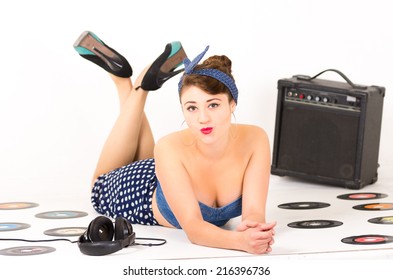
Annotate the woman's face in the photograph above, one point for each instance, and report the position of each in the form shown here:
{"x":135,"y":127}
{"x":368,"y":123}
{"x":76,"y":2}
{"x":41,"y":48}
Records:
{"x":208,"y":116}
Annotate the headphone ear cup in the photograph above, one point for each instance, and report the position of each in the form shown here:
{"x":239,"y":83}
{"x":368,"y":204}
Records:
{"x":100,"y":229}
{"x":123,"y":228}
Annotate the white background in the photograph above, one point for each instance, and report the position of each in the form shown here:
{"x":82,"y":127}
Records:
{"x":57,"y":108}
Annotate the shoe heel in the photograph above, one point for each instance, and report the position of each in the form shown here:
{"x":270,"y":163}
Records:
{"x":175,"y":58}
{"x":89,"y":46}
{"x":163,"y":68}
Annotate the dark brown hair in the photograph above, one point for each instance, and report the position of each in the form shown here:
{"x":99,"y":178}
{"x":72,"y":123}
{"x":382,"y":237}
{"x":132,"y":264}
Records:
{"x":209,"y":84}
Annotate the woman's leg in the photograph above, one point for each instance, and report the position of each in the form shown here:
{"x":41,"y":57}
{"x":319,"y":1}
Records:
{"x":131,"y":137}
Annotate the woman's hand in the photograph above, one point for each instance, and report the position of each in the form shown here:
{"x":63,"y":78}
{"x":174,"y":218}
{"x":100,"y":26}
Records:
{"x":257,"y":238}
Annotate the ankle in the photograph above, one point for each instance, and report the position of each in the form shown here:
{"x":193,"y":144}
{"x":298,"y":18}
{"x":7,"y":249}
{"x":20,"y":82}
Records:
{"x":122,"y":83}
{"x":139,"y":79}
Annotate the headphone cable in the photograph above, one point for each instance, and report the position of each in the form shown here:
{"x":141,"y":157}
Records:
{"x":38,"y":240}
{"x":162,"y":241}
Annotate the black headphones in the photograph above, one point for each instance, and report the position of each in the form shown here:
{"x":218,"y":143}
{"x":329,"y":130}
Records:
{"x":98,"y":238}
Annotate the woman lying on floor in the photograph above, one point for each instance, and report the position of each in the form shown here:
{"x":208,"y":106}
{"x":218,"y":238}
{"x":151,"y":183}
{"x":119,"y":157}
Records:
{"x":196,"y":179}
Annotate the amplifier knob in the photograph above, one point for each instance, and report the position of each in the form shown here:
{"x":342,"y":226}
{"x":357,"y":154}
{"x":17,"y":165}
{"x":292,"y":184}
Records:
{"x":309,"y":97}
{"x":317,"y":98}
{"x":325,"y":99}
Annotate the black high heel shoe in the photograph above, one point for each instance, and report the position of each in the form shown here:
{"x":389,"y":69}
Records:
{"x":163,"y":68}
{"x":92,"y":48}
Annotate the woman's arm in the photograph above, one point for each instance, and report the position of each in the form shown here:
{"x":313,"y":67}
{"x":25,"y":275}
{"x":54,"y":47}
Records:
{"x":255,"y":187}
{"x":256,"y":177}
{"x":179,"y":194}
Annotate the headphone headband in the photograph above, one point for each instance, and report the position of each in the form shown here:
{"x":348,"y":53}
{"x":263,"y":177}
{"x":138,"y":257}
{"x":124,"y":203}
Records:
{"x":97,"y":240}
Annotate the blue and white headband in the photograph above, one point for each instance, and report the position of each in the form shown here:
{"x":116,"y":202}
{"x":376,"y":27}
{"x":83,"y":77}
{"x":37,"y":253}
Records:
{"x":214,"y":73}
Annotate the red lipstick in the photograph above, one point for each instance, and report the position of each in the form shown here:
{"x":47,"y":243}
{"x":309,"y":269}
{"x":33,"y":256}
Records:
{"x":206,"y":130}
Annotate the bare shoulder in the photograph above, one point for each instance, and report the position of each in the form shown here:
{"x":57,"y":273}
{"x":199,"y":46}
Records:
{"x":168,"y":143}
{"x":252,"y":134}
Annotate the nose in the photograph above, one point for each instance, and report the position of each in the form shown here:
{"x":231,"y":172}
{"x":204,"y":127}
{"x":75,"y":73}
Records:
{"x":203,"y":116}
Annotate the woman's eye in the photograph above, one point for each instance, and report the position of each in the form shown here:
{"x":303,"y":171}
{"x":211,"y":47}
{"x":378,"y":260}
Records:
{"x":191,"y":108}
{"x":214,"y":105}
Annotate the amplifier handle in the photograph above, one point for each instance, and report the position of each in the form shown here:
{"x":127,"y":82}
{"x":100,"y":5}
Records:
{"x":307,"y":78}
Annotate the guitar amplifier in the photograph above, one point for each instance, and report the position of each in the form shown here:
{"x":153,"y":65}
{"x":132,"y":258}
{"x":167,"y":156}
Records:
{"x":327,"y":131}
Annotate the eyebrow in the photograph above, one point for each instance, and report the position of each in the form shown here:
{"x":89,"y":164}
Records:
{"x":207,"y":101}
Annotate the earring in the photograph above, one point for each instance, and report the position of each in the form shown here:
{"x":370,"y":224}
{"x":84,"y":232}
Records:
{"x":184,"y":136}
{"x":234,"y":117}
{"x":233,"y":129}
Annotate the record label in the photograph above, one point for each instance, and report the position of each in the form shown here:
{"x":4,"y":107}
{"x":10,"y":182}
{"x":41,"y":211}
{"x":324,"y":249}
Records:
{"x":303,"y":205}
{"x":61,"y":214}
{"x":362,"y":196}
{"x":310,"y":224}
{"x":27,"y":250}
{"x":388,"y":220}
{"x":374,"y":206}
{"x":372,"y":239}
{"x":17,"y":205}
{"x":13,"y":226}
{"x":66,"y":231}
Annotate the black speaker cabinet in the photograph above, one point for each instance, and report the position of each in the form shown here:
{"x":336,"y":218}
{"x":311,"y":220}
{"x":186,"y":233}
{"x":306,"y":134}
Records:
{"x":327,"y":131}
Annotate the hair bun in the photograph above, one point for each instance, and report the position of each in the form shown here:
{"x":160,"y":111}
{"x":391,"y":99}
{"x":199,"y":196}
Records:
{"x":220,"y":62}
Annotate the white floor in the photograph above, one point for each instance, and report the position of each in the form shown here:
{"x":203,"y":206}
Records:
{"x":292,"y":245}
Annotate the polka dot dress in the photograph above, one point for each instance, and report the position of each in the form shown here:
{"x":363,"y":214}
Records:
{"x":127,"y":192}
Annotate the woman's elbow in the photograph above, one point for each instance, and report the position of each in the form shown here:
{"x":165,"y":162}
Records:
{"x":193,"y":233}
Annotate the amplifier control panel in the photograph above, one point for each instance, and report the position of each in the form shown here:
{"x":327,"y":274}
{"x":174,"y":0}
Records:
{"x":322,"y":98}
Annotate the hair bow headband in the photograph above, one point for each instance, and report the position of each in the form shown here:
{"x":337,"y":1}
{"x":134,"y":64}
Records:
{"x":214,"y":73}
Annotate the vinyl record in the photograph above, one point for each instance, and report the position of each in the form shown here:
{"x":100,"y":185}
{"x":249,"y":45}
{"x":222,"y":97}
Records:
{"x":310,"y":224}
{"x":388,"y":220}
{"x":303,"y":205}
{"x":27,"y":250}
{"x":374,"y":206}
{"x":61,"y":214}
{"x":13,"y":226}
{"x":17,"y":205}
{"x":368,"y":239}
{"x":66,"y":231}
{"x":362,"y":196}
